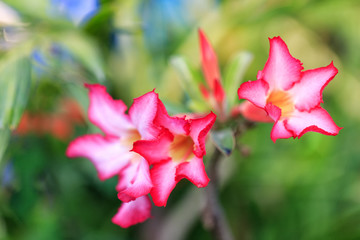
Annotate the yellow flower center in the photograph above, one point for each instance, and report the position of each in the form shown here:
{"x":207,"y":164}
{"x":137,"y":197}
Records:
{"x":282,"y":100}
{"x":128,"y":140}
{"x":181,"y":149}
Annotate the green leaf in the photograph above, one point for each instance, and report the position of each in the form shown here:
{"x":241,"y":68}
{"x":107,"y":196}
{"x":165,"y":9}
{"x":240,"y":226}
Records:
{"x":224,"y":140}
{"x":4,"y":140}
{"x":174,"y":108}
{"x":199,"y":106}
{"x":190,"y":83}
{"x":85,"y":51}
{"x":188,"y":80}
{"x":15,"y":83}
{"x":33,"y":8}
{"x":23,"y":77}
{"x":234,"y":74}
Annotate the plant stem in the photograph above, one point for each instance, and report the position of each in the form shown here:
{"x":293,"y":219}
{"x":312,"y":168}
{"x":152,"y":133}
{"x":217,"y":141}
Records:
{"x":214,"y":217}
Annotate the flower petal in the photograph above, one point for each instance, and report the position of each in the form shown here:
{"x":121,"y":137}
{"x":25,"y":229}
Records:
{"x":280,"y":131}
{"x":106,"y":113}
{"x":204,"y":91}
{"x":281,"y":70}
{"x":157,"y":150}
{"x":307,"y":93}
{"x":133,"y":212}
{"x":255,"y":92}
{"x":163,"y":178}
{"x":142,"y":113}
{"x":134,"y":181}
{"x":176,"y":125}
{"x":199,"y":128}
{"x":251,"y":112}
{"x":219,"y":92}
{"x":209,"y":61}
{"x":106,"y":153}
{"x":273,"y":111}
{"x":317,"y":120}
{"x":194,"y":171}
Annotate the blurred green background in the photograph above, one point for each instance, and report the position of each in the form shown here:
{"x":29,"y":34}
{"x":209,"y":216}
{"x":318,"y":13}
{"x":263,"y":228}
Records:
{"x":294,"y":189}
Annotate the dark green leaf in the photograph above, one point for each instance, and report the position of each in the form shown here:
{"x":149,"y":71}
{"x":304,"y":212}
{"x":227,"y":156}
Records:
{"x":4,"y":139}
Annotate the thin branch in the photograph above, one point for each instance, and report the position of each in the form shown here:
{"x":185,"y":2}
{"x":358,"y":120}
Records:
{"x":214,"y":217}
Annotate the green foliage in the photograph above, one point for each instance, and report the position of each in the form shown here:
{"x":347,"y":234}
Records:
{"x":234,"y":75}
{"x":15,"y":82}
{"x":84,"y":50}
{"x":190,"y":82}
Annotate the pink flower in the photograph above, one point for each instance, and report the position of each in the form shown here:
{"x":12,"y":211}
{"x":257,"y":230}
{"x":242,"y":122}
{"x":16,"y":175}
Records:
{"x":110,"y":153}
{"x":133,"y":212}
{"x":290,"y":96}
{"x":176,"y":154}
{"x":213,"y":90}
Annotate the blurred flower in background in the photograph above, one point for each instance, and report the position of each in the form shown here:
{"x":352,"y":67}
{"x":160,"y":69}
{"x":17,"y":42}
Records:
{"x":212,"y":90}
{"x":59,"y":124}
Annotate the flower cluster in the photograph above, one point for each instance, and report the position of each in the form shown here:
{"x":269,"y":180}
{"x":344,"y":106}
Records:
{"x":151,"y":151}
{"x":145,"y":136}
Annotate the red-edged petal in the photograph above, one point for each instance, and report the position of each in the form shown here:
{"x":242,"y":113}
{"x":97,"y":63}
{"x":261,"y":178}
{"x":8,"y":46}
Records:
{"x":134,"y":181}
{"x":251,"y":112}
{"x":176,"y":125}
{"x":280,"y":131}
{"x":307,"y":93}
{"x":106,"y":113}
{"x":255,"y":92}
{"x":157,"y":150}
{"x":199,"y":128}
{"x":134,"y":212}
{"x":106,"y":153}
{"x":194,"y":171}
{"x":273,"y":111}
{"x":281,"y":70}
{"x":209,"y":61}
{"x":142,"y":113}
{"x":317,"y":120}
{"x":163,"y":178}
